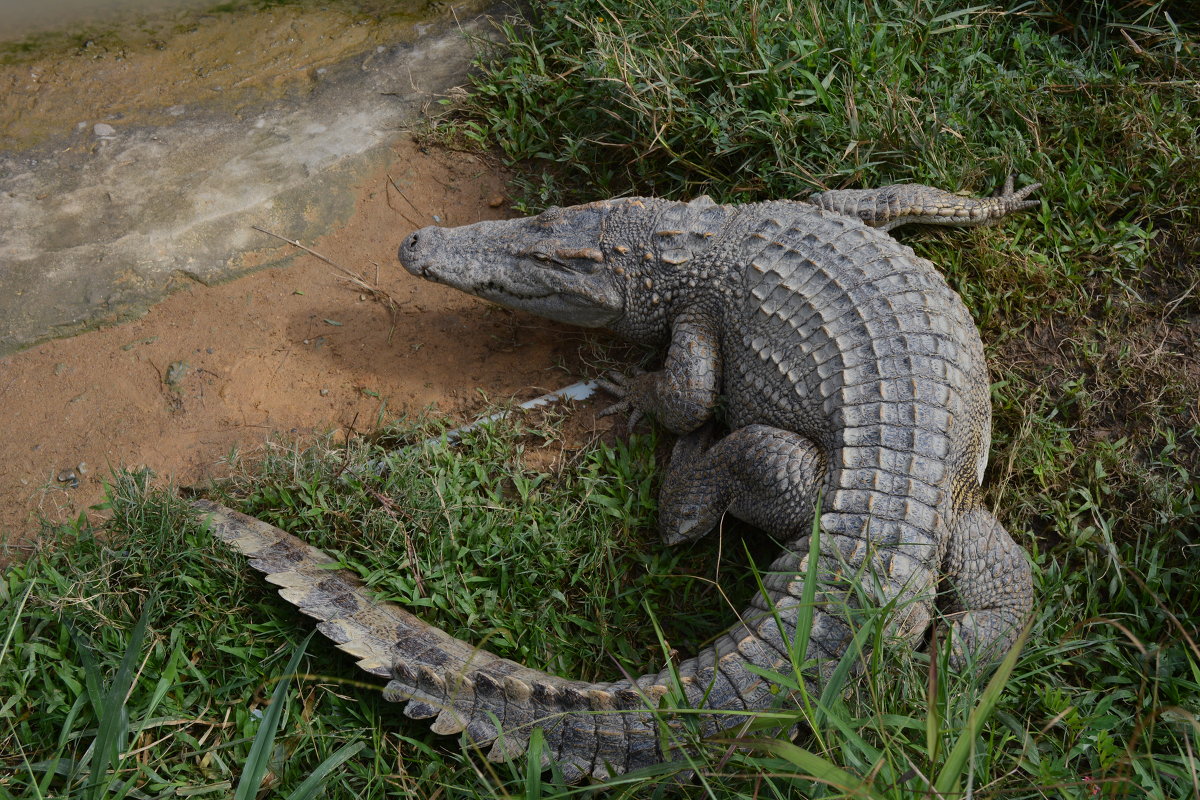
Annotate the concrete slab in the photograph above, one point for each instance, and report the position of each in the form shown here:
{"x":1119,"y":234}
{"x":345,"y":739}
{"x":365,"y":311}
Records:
{"x":97,"y":225}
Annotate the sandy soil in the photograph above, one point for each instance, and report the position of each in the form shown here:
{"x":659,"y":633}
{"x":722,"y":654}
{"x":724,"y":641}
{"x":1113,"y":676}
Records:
{"x":297,"y":349}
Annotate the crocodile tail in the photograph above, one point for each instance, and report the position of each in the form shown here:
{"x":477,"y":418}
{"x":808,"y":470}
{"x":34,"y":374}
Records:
{"x":886,"y":545}
{"x":588,"y":729}
{"x":341,"y":602}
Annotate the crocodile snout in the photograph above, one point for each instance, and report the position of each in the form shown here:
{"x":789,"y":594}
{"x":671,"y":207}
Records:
{"x":415,"y":251}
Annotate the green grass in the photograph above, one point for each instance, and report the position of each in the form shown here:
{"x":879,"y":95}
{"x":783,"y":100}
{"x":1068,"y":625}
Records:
{"x":140,"y":657}
{"x":156,"y":649}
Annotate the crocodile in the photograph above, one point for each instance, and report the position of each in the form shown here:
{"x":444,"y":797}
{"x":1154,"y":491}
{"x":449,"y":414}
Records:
{"x":852,"y":383}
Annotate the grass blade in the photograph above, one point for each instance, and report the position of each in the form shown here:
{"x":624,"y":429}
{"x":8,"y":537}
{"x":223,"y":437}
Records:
{"x":260,"y":752}
{"x":533,"y":765}
{"x":933,"y":720}
{"x":952,"y":770}
{"x":819,"y":768}
{"x":12,"y":628}
{"x":113,"y":715}
{"x":315,"y":783}
{"x":808,"y":596}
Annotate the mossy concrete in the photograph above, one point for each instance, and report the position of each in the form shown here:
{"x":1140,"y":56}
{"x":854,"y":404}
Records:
{"x":104,"y":220}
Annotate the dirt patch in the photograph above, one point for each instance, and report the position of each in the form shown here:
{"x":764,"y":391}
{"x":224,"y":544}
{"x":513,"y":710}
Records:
{"x":296,"y":349}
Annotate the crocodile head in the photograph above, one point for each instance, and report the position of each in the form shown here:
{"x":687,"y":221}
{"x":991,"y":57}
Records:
{"x":552,"y":265}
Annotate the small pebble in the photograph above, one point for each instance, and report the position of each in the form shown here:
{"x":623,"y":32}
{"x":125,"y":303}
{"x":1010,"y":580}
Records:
{"x":362,"y":297}
{"x":103,"y":130}
{"x":437,"y":219}
{"x":82,"y":469}
{"x":176,"y":373}
{"x":496,"y":201}
{"x":69,"y":477}
{"x":324,"y":393}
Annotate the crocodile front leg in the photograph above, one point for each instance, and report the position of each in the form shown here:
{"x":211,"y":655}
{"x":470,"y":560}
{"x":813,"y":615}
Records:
{"x":682,"y":396}
{"x":891,"y":206}
{"x":766,"y":476}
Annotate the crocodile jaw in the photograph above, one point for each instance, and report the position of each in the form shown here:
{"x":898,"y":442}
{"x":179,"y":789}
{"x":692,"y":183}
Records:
{"x":565,"y":281}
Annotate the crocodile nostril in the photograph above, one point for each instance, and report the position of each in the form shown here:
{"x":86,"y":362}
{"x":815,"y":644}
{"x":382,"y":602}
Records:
{"x":411,"y":244}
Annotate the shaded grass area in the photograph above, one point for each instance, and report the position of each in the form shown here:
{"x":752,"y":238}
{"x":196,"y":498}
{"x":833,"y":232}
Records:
{"x":1091,"y":315}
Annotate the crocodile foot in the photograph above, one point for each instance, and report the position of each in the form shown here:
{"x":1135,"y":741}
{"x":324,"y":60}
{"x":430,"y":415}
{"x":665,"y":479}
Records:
{"x":1015,"y":200}
{"x":624,"y":386}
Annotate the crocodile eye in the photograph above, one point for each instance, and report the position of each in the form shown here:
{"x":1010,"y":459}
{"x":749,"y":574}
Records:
{"x":542,"y":257}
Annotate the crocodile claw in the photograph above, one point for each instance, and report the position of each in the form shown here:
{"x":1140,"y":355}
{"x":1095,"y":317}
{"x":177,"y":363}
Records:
{"x":1015,"y":200}
{"x":617,"y":384}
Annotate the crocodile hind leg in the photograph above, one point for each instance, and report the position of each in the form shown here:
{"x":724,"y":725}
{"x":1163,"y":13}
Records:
{"x":763,"y":475}
{"x":990,"y":588}
{"x":900,"y":204}
{"x":770,"y":478}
